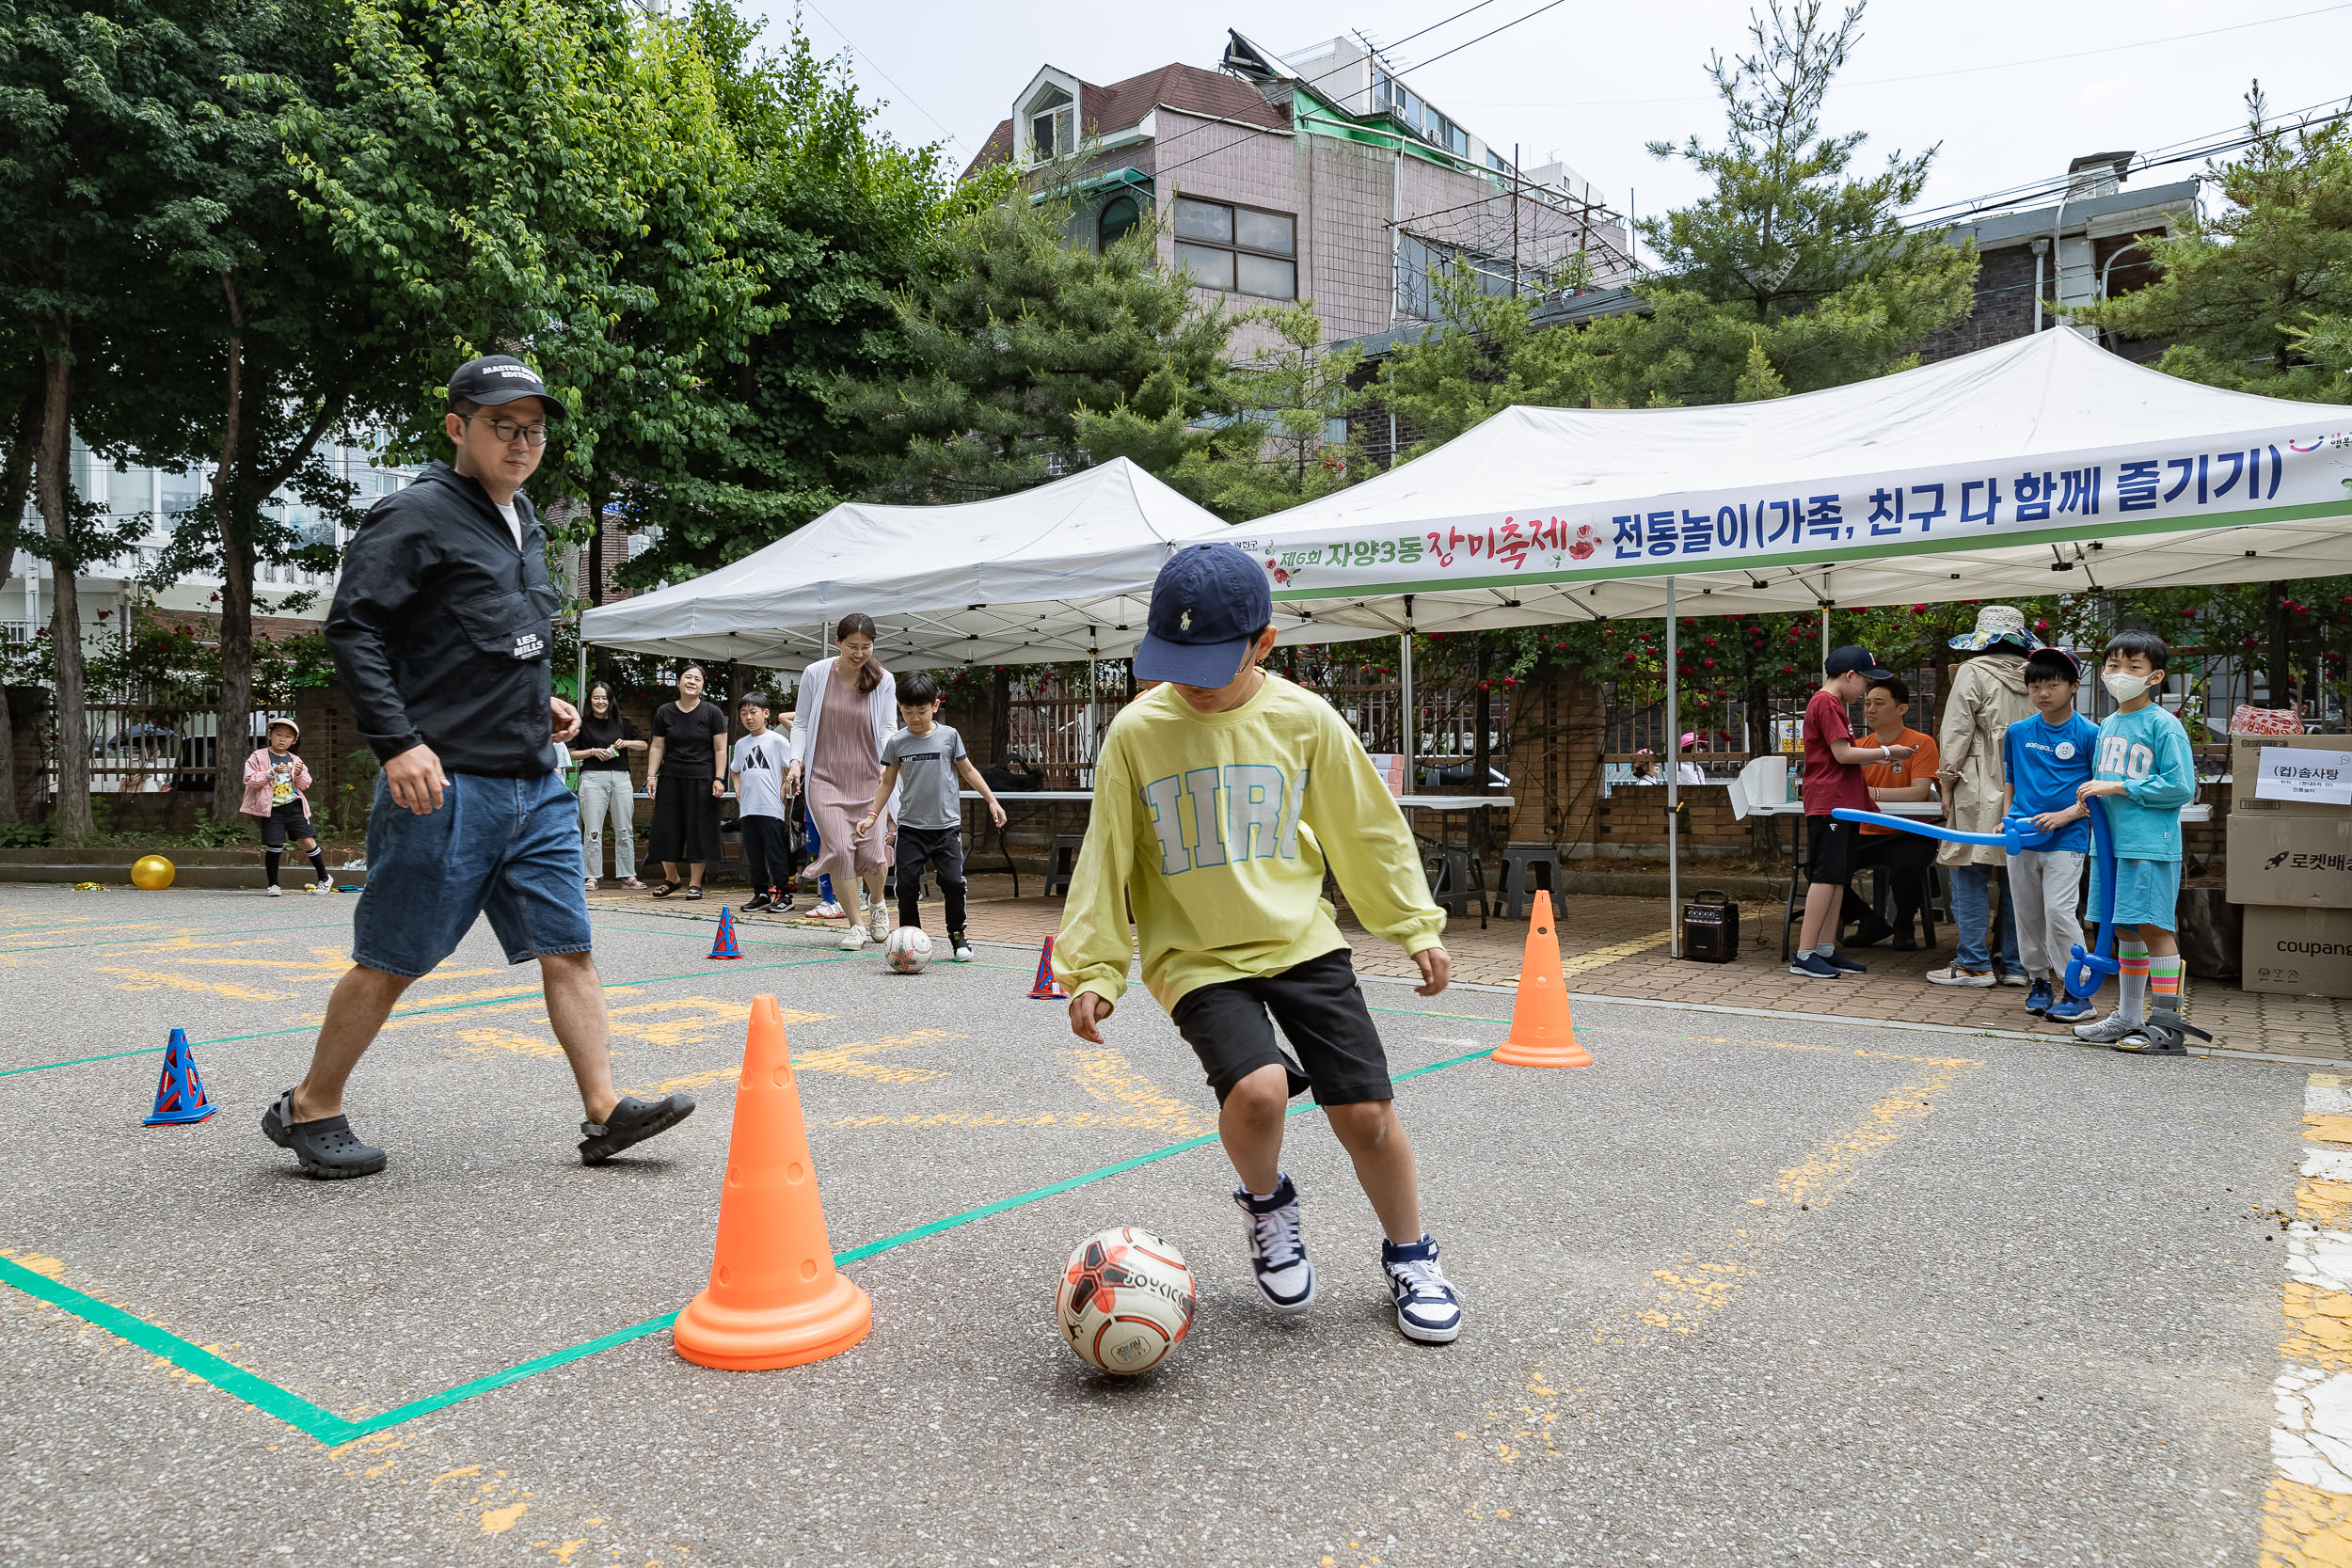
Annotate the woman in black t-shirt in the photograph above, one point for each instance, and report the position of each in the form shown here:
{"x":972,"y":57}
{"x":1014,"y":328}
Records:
{"x":687,"y":774}
{"x":607,"y":793}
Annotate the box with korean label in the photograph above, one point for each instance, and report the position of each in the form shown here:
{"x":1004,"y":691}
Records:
{"x":2303,"y":862}
{"x":2297,"y":951}
{"x":2291,"y":775}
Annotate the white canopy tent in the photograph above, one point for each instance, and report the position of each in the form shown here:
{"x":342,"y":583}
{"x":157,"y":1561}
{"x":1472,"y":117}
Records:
{"x":2045,"y":465}
{"x":1061,"y":572}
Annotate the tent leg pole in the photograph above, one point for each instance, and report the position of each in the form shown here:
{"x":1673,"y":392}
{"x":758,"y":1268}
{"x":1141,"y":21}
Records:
{"x":1673,"y":785}
{"x":582,"y":689}
{"x":1825,"y":637}
{"x":1404,"y":705}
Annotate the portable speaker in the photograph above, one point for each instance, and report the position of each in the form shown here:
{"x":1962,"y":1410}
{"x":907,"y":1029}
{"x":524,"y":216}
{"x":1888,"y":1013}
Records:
{"x":1710,"y":927}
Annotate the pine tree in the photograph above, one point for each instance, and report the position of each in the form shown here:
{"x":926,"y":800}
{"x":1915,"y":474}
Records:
{"x":2259,"y":299}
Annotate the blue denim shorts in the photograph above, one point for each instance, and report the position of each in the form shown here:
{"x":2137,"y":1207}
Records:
{"x":508,"y":848}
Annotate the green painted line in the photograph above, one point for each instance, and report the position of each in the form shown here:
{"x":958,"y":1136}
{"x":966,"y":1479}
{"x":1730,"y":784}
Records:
{"x":421,"y":1012}
{"x":194,"y":1359}
{"x":328,"y":1428}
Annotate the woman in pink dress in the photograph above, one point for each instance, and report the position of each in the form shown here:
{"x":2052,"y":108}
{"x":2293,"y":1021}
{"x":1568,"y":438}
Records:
{"x":847,"y":707}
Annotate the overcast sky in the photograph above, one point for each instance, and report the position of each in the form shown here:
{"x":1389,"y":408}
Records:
{"x":1590,"y":84}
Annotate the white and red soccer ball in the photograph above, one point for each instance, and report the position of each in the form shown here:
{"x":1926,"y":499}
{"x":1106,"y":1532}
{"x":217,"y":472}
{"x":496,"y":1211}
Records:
{"x":1125,"y":1301}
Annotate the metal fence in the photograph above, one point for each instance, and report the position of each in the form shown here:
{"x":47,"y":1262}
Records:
{"x":144,"y":743}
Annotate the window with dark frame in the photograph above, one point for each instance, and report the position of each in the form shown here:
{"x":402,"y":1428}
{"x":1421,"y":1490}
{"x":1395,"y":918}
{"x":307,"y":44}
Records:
{"x":1238,"y":250}
{"x":1049,"y":127}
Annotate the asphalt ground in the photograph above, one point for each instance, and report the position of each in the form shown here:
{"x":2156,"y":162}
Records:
{"x":1747,"y":1290}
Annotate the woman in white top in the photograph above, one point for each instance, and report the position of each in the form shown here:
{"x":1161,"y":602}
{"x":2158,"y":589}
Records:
{"x":847,"y":705}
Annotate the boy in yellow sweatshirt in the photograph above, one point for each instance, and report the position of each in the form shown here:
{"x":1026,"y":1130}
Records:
{"x":1218,"y":798}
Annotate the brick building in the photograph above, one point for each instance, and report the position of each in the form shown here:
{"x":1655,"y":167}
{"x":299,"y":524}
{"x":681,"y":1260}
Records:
{"x":2085,"y":246}
{"x":1321,"y":177}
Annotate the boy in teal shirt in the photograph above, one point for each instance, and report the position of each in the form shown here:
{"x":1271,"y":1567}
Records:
{"x":2145,"y":769}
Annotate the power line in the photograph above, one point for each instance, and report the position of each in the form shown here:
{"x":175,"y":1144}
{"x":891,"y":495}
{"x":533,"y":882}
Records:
{"x":1505,"y":29}
{"x":1920,"y":76}
{"x":886,"y":77}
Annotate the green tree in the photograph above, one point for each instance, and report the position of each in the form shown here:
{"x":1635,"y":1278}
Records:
{"x":1791,"y":273}
{"x":2259,"y":298}
{"x":94,"y":111}
{"x":835,"y":220}
{"x":1012,"y":335}
{"x":1271,"y":444}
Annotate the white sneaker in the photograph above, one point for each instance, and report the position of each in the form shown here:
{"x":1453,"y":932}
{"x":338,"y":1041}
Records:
{"x":960,"y":948}
{"x":1427,"y":1308}
{"x":320,"y":887}
{"x":275,"y":891}
{"x":1955,"y":976}
{"x":875,"y":929}
{"x":1278,"y":1251}
{"x":827,"y":910}
{"x":853,"y":938}
{"x":2108,"y":1030}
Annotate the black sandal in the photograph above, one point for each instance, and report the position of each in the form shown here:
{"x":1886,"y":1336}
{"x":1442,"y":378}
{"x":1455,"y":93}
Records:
{"x":666,"y":889}
{"x":632,"y":1121}
{"x":325,"y":1148}
{"x":693,"y":893}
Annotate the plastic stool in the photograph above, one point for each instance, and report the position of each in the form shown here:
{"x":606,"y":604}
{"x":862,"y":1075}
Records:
{"x":1057,"y":870}
{"x":1518,"y":861}
{"x":1447,"y":867}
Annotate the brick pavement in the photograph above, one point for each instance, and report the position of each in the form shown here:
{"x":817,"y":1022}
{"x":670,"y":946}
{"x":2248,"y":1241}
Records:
{"x":1617,"y":947}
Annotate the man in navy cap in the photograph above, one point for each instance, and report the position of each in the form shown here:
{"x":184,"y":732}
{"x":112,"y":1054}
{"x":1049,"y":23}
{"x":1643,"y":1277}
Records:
{"x":442,"y":628}
{"x":1219,"y":796}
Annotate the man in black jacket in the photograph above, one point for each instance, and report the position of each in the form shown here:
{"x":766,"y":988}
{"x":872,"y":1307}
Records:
{"x":442,"y":628}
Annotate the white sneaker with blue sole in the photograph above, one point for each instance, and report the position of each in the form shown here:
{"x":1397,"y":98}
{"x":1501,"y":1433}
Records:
{"x":1277,"y":1247}
{"x":1427,"y":1308}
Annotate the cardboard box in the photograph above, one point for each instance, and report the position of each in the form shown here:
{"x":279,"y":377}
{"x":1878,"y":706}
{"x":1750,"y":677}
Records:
{"x":2303,"y":862}
{"x":2297,"y":951}
{"x":2245,"y":752}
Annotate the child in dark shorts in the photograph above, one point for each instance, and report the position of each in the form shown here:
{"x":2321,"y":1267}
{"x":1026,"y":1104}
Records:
{"x":1220,"y":797}
{"x":276,"y":785}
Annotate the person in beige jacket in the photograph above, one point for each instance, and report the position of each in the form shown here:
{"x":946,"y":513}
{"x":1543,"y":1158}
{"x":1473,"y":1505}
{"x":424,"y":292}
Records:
{"x":1987,"y":695}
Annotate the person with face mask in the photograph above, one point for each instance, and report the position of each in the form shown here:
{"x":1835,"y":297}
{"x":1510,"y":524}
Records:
{"x":1987,"y":695}
{"x":2147,"y":771}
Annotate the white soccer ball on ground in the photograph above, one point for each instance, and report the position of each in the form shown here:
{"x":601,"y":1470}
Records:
{"x":1125,"y":1301}
{"x":907,"y":951}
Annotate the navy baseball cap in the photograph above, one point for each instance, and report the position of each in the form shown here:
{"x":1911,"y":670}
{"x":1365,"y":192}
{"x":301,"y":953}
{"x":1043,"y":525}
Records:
{"x":1208,"y":604}
{"x":1852,"y":656}
{"x":497,"y":378}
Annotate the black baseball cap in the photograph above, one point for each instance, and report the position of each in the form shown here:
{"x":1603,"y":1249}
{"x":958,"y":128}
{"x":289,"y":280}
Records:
{"x":497,"y":378}
{"x":1852,"y":656}
{"x":1207,"y":605}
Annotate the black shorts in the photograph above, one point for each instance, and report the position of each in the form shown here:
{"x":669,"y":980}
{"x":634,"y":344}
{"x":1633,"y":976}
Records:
{"x":1321,"y":1012}
{"x":1831,"y":848}
{"x":285,"y":822}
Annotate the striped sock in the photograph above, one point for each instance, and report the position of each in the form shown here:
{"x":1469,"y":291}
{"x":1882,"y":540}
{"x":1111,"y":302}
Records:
{"x":2132,"y":1006}
{"x":2164,"y":982}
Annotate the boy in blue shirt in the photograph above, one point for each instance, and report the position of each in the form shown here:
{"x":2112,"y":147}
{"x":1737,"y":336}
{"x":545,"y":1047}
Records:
{"x":2146,"y":770}
{"x":2046,"y":760}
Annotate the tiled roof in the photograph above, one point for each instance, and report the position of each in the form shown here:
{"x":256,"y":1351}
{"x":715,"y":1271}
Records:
{"x":1101,"y":110}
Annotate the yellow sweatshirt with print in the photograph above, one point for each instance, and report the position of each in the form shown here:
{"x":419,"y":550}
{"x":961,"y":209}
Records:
{"x":1216,"y":828}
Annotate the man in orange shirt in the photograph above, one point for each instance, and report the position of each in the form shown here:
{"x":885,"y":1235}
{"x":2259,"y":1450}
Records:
{"x":1904,"y":856}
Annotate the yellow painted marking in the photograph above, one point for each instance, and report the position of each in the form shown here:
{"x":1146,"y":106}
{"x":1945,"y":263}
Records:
{"x":2328,"y":1129}
{"x":1835,"y":1050}
{"x":692,"y":1020}
{"x":325,"y":963}
{"x":449,"y":1475}
{"x":490,"y":1039}
{"x":154,"y":979}
{"x":2319,"y":1323}
{"x":1696,"y":1290}
{"x":1106,"y":1076}
{"x":41,"y":1263}
{"x":2305,"y":1528}
{"x":564,"y":1553}
{"x":1602,"y":958}
{"x":498,"y":1521}
{"x":849,"y":1059}
{"x":691,"y":1081}
{"x":2326,"y":1204}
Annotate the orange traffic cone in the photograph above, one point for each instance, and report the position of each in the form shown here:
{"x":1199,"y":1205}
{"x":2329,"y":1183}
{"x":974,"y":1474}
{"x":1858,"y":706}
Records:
{"x":773,"y":1299}
{"x":1046,"y":988}
{"x":1542,"y":1034}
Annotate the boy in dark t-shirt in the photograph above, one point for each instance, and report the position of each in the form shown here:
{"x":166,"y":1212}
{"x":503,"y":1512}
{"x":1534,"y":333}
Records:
{"x":1833,"y":778}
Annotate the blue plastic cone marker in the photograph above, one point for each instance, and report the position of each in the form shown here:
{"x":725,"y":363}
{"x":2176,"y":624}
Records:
{"x":1047,"y":987}
{"x":724,"y":946}
{"x":179,"y":1093}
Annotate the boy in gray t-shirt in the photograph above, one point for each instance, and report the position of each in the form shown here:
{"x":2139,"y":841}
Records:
{"x":924,"y":763}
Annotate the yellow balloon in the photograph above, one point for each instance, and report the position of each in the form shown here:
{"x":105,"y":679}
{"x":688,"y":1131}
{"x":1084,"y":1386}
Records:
{"x":153,"y":872}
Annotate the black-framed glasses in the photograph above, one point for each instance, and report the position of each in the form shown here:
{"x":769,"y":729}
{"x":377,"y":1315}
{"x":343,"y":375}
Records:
{"x":510,"y":432}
